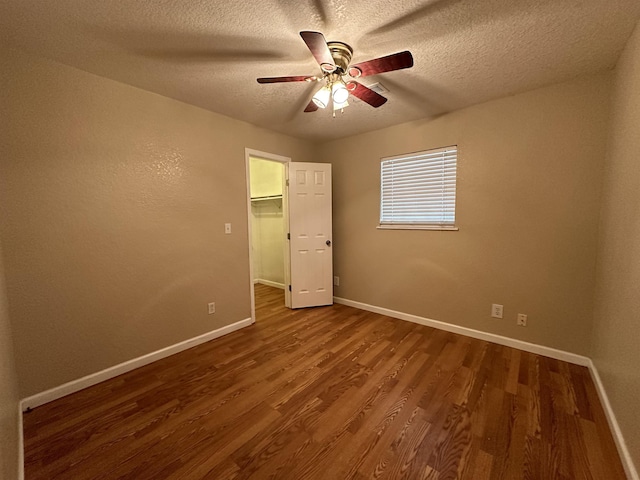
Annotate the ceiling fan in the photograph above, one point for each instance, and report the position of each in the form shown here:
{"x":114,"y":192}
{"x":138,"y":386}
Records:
{"x":334,"y":59}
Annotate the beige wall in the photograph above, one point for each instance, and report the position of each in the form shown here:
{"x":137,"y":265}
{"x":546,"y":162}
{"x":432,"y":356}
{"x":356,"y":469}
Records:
{"x":115,"y":202}
{"x":616,"y":334}
{"x":9,"y":433}
{"x":529,"y":183}
{"x":267,"y":222}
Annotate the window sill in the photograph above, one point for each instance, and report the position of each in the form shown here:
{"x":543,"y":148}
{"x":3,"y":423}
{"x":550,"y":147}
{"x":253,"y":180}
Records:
{"x":451,"y":228}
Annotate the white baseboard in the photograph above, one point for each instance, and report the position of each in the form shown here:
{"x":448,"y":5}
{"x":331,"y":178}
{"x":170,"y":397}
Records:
{"x":84,"y":382}
{"x":470,"y":332}
{"x":269,"y":283}
{"x":623,"y":451}
{"x":625,"y":455}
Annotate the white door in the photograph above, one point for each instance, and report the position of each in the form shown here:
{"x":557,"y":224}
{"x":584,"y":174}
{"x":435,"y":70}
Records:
{"x":309,"y":196}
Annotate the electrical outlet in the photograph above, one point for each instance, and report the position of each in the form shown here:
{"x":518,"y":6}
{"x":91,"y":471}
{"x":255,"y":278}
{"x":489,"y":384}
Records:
{"x":227,"y":228}
{"x":496,"y":310}
{"x":522,"y":320}
{"x":212,"y":308}
{"x":336,"y":281}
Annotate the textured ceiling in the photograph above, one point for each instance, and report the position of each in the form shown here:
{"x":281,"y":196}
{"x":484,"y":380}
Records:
{"x":209,"y":53}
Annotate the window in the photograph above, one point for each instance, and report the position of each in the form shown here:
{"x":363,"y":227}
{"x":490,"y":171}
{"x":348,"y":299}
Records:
{"x":418,"y":190}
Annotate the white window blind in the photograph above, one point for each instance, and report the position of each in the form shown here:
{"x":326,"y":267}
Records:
{"x":419,"y":189}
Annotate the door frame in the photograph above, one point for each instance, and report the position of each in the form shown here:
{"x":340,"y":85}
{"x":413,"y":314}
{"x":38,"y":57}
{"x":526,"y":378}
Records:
{"x":248,"y":153}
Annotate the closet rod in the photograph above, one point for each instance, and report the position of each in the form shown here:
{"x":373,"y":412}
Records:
{"x":268,"y":197}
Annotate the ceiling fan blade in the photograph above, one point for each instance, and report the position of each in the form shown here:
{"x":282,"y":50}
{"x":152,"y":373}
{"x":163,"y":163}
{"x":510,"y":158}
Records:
{"x":192,"y":55}
{"x":299,"y":78}
{"x":396,"y":61}
{"x":434,"y":9}
{"x":312,"y":107}
{"x":318,"y":46}
{"x":366,"y":94}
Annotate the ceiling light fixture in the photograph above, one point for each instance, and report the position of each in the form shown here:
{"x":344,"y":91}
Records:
{"x":339,"y":92}
{"x":322,"y":96}
{"x":334,"y":90}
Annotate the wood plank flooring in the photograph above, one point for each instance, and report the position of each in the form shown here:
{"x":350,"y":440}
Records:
{"x":330,"y":393}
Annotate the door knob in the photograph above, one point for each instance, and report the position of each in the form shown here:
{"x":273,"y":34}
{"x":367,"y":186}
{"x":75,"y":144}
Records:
{"x":328,"y":242}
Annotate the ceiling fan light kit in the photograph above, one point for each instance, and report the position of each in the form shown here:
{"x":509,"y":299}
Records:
{"x":322,"y":97}
{"x":334,"y":59}
{"x":339,"y":92}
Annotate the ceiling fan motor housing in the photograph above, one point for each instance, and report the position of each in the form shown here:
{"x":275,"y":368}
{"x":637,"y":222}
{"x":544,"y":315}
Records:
{"x":341,"y":54}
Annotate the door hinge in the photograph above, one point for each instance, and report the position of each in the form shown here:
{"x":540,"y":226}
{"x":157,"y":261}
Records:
{"x":289,"y":287}
{"x":288,"y":236}
{"x":287,"y":182}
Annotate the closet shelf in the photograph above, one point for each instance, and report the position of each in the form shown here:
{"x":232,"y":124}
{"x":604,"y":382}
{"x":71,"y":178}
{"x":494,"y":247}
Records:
{"x":268,"y":197}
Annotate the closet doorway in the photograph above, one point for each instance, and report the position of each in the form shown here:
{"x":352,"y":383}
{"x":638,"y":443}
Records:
{"x":268,"y":226}
{"x":290,"y":229}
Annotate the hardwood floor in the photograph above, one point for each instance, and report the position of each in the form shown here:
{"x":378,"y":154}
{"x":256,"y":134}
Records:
{"x":330,"y":393}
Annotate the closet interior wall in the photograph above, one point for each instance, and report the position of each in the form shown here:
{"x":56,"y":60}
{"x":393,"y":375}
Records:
{"x":267,"y":221}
